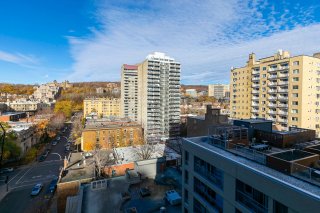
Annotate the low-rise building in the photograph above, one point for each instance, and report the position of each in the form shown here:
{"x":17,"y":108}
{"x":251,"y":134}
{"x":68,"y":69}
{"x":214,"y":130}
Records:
{"x":103,"y":107}
{"x":26,"y":135}
{"x":12,"y":116}
{"x":24,"y":105}
{"x":110,"y":134}
{"x":198,"y":125}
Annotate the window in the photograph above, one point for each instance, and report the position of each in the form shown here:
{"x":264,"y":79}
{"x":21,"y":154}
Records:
{"x":198,"y":207}
{"x":209,"y":172}
{"x":186,"y":157}
{"x":264,"y":75}
{"x":295,"y":63}
{"x":279,"y":207}
{"x":295,"y":87}
{"x":186,"y":196}
{"x":294,"y":111}
{"x":214,"y":199}
{"x":295,"y":103}
{"x":264,"y":68}
{"x":296,"y":71}
{"x":295,"y":95}
{"x":186,"y":176}
{"x":251,"y":198}
{"x":294,"y":118}
{"x":295,"y":79}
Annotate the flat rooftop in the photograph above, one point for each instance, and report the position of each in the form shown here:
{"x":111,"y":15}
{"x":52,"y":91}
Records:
{"x":257,"y":120}
{"x":291,"y":181}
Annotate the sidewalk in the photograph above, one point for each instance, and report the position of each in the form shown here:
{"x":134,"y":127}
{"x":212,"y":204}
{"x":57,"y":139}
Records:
{"x":3,"y":191}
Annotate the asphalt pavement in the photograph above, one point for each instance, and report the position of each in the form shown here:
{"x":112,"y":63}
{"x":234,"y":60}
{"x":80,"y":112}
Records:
{"x":22,"y":180}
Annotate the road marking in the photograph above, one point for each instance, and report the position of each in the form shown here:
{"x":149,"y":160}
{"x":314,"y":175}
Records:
{"x":54,"y":153}
{"x":36,"y":176}
{"x":11,"y":179}
{"x":23,"y":175}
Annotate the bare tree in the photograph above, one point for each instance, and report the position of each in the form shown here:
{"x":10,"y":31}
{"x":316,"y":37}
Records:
{"x":145,"y":151}
{"x":101,"y":159}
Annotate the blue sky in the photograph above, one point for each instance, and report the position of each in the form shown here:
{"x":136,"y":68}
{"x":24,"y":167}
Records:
{"x":89,"y":40}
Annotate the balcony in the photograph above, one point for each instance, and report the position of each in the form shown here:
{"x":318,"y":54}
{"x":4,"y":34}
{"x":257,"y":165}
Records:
{"x":272,"y":112}
{"x":255,"y":98}
{"x":272,"y":77}
{"x":272,"y":119}
{"x":283,"y":90}
{"x":272,"y":69}
{"x":255,"y":104}
{"x":255,"y":91}
{"x":272,"y":105}
{"x":255,"y":78}
{"x":282,"y":120}
{"x":283,"y":105}
{"x":283,"y":83}
{"x":272,"y":98}
{"x":284,"y":67}
{"x":283,"y":113}
{"x":280,"y":97}
{"x":254,"y":72}
{"x":272,"y":84}
{"x":255,"y":84}
{"x":254,"y":110}
{"x":272,"y":91}
{"x":283,"y":75}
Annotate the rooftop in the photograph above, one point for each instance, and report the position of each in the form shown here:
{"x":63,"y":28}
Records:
{"x":257,"y":120}
{"x":257,"y":164}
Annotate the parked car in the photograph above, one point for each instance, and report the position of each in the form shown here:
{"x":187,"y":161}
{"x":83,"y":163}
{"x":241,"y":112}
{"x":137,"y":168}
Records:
{"x":58,"y":138}
{"x":173,"y":197}
{"x":88,"y":155}
{"x":36,"y":189}
{"x":42,"y":158}
{"x":51,"y":188}
{"x":6,"y":170}
{"x":54,"y":143}
{"x":145,"y":191}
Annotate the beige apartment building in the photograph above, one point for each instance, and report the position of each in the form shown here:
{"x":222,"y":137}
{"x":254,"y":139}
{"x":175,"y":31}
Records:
{"x":281,"y":88}
{"x":219,"y":90}
{"x":102,"y":107}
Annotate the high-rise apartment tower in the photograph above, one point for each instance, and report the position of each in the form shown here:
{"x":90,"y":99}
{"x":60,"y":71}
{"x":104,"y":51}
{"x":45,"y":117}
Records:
{"x":281,"y":88}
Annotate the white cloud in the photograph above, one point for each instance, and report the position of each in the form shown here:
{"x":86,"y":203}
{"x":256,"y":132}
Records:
{"x":207,"y":37}
{"x":17,"y":58}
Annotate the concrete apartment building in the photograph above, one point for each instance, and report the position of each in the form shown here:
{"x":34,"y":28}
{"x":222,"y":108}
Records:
{"x":281,"y":88}
{"x":129,"y":88}
{"x":158,"y":97}
{"x":23,"y":105}
{"x":101,"y":107}
{"x":47,"y":92}
{"x":223,"y":172}
{"x":219,"y":90}
{"x":103,"y":134}
{"x":192,"y":93}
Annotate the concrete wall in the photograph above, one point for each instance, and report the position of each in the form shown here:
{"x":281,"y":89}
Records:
{"x":295,"y":199}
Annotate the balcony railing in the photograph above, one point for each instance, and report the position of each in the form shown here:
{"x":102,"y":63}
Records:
{"x":256,"y":78}
{"x":254,"y":104}
{"x":272,"y":105}
{"x":283,"y":105}
{"x":272,"y":77}
{"x":254,"y":72}
{"x":272,"y":112}
{"x":255,"y":85}
{"x":283,"y":75}
{"x":283,"y":90}
{"x":272,"y":84}
{"x":255,"y":91}
{"x":255,"y":97}
{"x":282,"y":113}
{"x":283,"y":83}
{"x":281,"y":120}
{"x":283,"y":97}
{"x":272,"y":91}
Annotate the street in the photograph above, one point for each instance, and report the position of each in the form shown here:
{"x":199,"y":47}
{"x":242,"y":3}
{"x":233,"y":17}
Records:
{"x":22,"y":180}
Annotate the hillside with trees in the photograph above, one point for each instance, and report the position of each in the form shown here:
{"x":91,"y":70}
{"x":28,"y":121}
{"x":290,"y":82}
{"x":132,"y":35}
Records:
{"x":19,"y":89}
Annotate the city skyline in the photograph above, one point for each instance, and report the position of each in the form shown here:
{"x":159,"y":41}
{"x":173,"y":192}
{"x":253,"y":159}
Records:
{"x":90,"y":41}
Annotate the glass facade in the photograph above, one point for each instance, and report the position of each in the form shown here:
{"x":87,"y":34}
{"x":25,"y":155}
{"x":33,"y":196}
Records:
{"x":209,"y":172}
{"x":251,"y":198}
{"x":214,"y":199}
